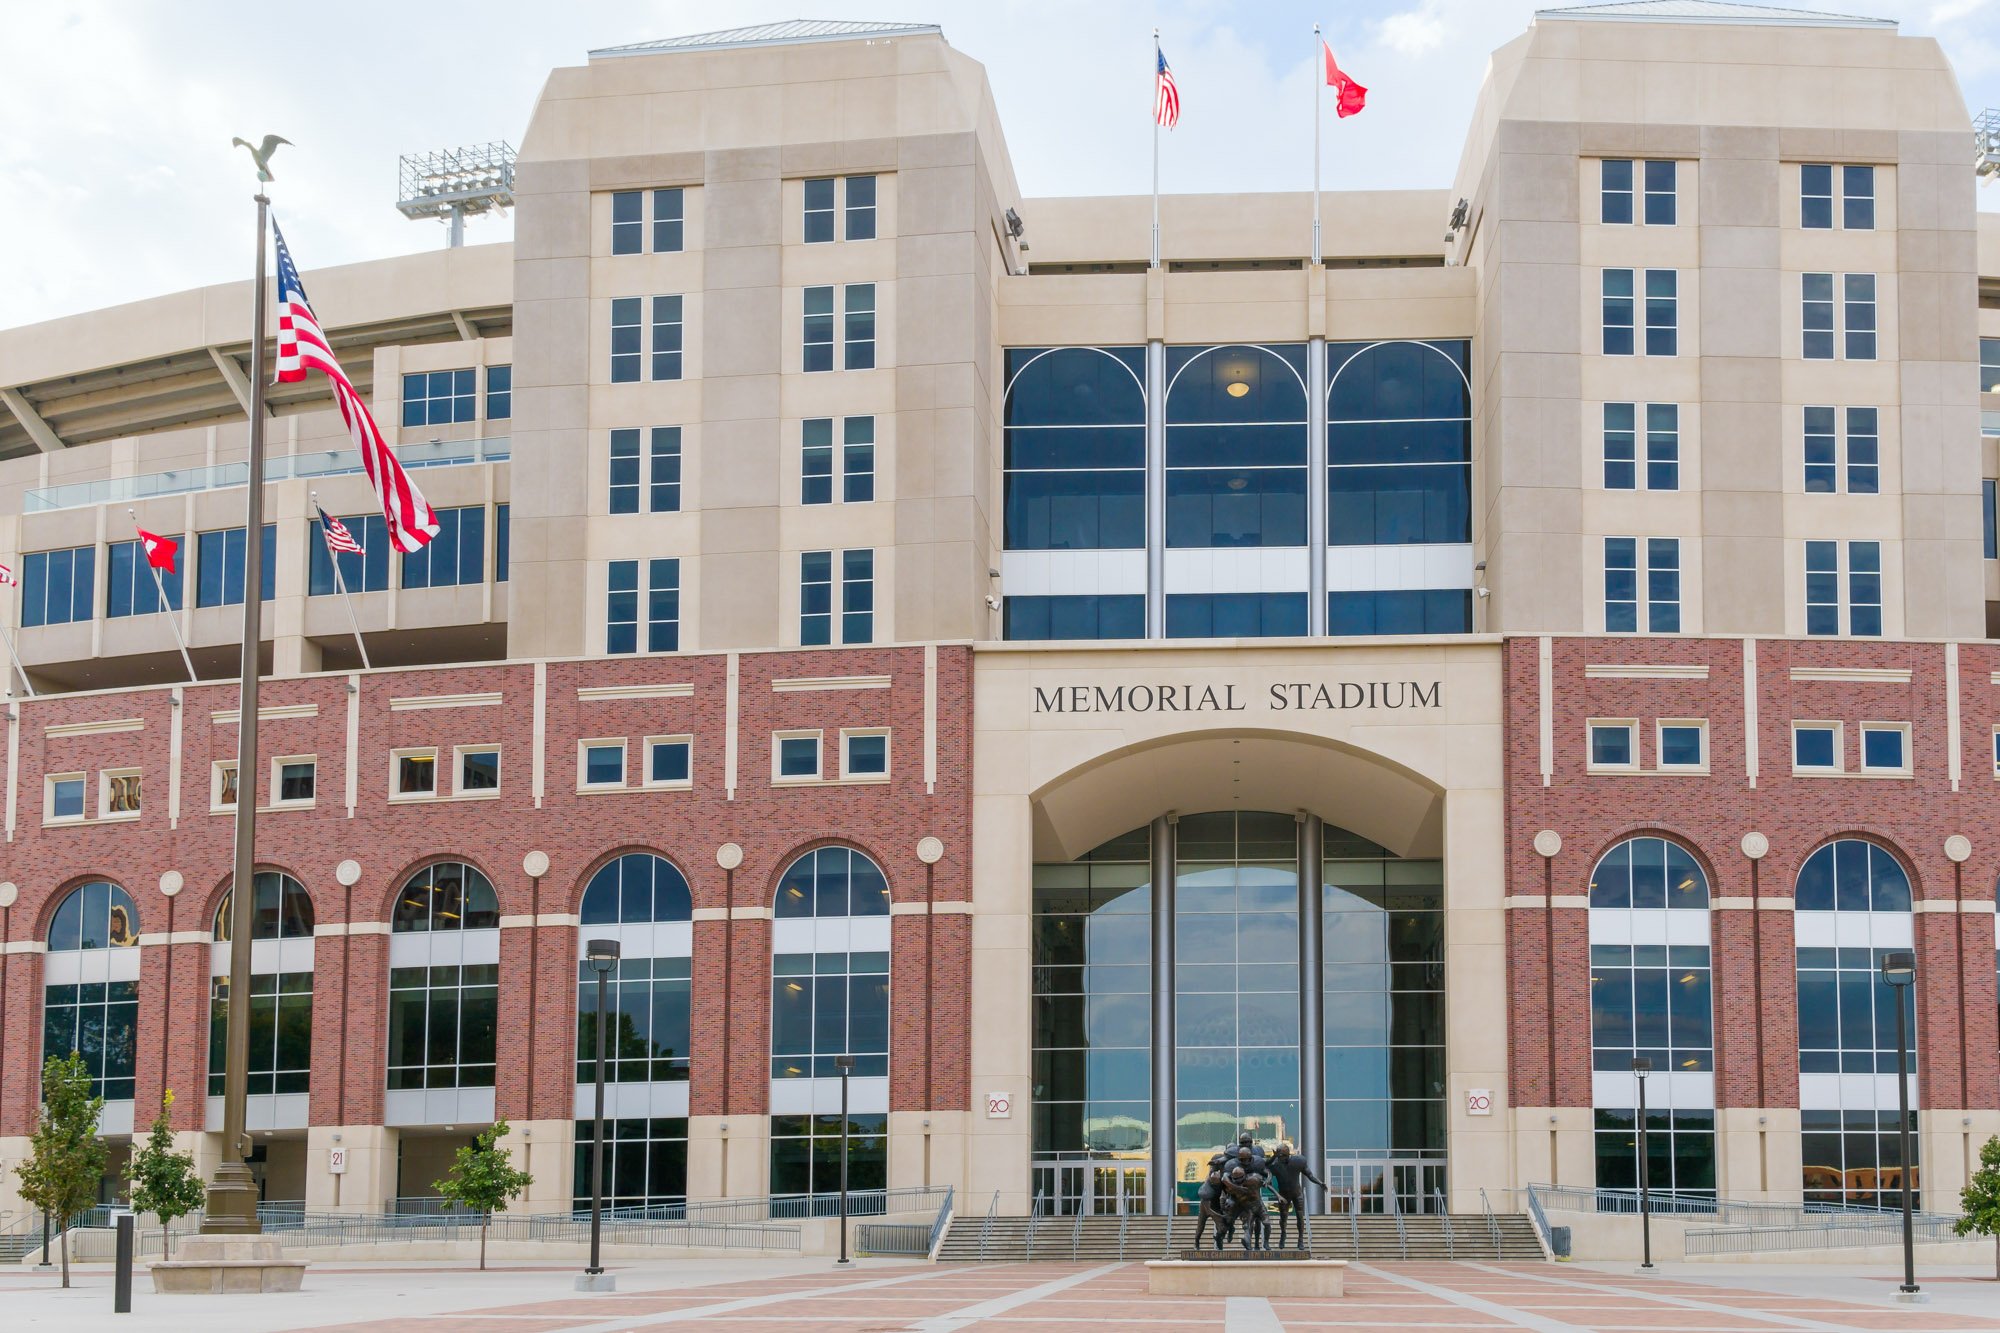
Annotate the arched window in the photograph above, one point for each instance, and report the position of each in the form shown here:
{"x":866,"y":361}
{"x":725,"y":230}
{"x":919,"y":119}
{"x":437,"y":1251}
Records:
{"x":1399,"y":473}
{"x":281,"y":974}
{"x":829,"y":997}
{"x":1851,"y":906}
{"x":643,"y":902}
{"x":1651,"y":1000}
{"x":444,"y":978}
{"x":90,"y":1000}
{"x":449,"y":895}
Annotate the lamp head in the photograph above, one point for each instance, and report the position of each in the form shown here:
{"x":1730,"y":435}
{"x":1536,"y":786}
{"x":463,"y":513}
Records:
{"x":602,"y":955}
{"x":1899,"y":968}
{"x":843,"y":1063}
{"x":1642,"y":1066}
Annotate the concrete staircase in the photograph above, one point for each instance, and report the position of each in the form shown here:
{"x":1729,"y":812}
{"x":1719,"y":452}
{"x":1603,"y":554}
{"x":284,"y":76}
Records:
{"x":1374,"y":1238}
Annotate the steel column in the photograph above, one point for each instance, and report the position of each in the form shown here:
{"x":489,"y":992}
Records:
{"x":1160,"y":1179}
{"x":1156,"y":490}
{"x":1312,"y":1004}
{"x":1316,"y":498}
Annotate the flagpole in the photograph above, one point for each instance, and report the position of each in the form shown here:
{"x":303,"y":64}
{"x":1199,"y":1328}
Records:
{"x":1319,"y":81}
{"x":1156,"y":148}
{"x":232,"y":1190}
{"x":165,"y":605}
{"x":341,"y":584}
{"x":16,"y":659}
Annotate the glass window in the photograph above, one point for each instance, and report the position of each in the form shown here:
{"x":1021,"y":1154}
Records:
{"x":218,"y":566}
{"x":415,"y":773}
{"x":1680,"y":1149}
{"x":1662,"y":312}
{"x":1816,"y":196}
{"x":1815,"y":746}
{"x":867,"y":755}
{"x":668,"y":220}
{"x":624,"y":471}
{"x":1234,"y":615}
{"x":857,"y":596}
{"x":1864,"y":588}
{"x":1885,"y":749}
{"x":830,"y":882}
{"x":1989,"y":366}
{"x":1614,"y":190}
{"x":297,"y":781}
{"x":1817,"y":315}
{"x":798,"y":756}
{"x":1621,"y":585}
{"x":1075,"y":616}
{"x":604,"y":763}
{"x":1857,"y":198}
{"x":1822,"y":448}
{"x":478,"y":769}
{"x":280,"y":1033}
{"x":365,"y":571}
{"x":662,"y":606}
{"x":1858,"y":315}
{"x":818,"y":335}
{"x":628,"y":222}
{"x":625,"y":357}
{"x":860,"y":333}
{"x":130,"y":586}
{"x":1663,"y":585}
{"x":439,"y":397}
{"x":447,"y":895}
{"x":1611,"y":745}
{"x":819,"y":210}
{"x":1990,"y":515}
{"x":443,"y":1025}
{"x":667,"y":335}
{"x":66,"y":797}
{"x":1236,"y":447}
{"x":100,"y":1021}
{"x":1399,"y":446}
{"x":645,"y":1164}
{"x":123,"y":793}
{"x":669,"y":762}
{"x":815,"y":597}
{"x":501,"y":525}
{"x":816,"y":461}
{"x":457,"y":555}
{"x":825,"y":1005}
{"x":1620,"y":447}
{"x":1618,"y":312}
{"x":805,"y":1157}
{"x":1822,"y":587}
{"x":1075,"y":444}
{"x":1863,"y":451}
{"x":1400,"y":611}
{"x":58,"y":587}
{"x":1663,"y":447}
{"x":860,"y":208}
{"x":1854,"y":1159}
{"x":499,"y":393}
{"x":1683,"y":745}
{"x":647,"y":991}
{"x":98,"y":915}
{"x":1660,"y":194}
{"x":857,"y":460}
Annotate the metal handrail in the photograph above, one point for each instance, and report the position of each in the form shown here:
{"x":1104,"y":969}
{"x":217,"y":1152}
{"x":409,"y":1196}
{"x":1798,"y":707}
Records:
{"x":1354,"y":1229}
{"x":1402,"y":1236}
{"x":1492,"y":1222}
{"x":1881,"y":1230}
{"x":1124,"y":1225}
{"x":1450,"y":1248}
{"x":986,"y":1228}
{"x":1034,"y":1215}
{"x":1726,"y":1212}
{"x":291,"y":467}
{"x":1540,"y":1220}
{"x":1172,"y":1216}
{"x":943,"y":1221}
{"x":1076,"y":1233}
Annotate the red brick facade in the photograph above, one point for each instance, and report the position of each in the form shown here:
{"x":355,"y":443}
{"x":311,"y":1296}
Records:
{"x":579,"y":831}
{"x":1756,"y":1024}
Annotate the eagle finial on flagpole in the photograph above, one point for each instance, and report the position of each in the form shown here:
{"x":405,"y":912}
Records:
{"x":261,"y":153}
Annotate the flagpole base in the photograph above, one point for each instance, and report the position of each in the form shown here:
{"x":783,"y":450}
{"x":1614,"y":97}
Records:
{"x":232,"y":1202}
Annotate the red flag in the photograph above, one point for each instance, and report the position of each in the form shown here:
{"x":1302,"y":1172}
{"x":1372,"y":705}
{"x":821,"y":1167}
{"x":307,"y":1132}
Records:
{"x":1351,"y":95}
{"x":160,"y":551}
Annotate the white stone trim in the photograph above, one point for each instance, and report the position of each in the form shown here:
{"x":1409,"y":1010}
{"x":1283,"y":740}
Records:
{"x":228,"y":717}
{"x":413,"y":703}
{"x":544,"y":919}
{"x":817,"y":683}
{"x":1645,"y":671}
{"x":1389,"y":568}
{"x":99,"y":728}
{"x":664,"y":690}
{"x":1074,"y":573}
{"x":351,"y":928}
{"x":1866,"y":675}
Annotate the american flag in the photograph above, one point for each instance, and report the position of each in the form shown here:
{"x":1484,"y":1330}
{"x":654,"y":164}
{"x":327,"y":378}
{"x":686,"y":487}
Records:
{"x":1167,"y":97}
{"x":338,"y":538}
{"x":302,"y":346}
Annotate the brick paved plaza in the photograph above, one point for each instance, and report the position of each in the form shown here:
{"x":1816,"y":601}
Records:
{"x":802,"y":1296}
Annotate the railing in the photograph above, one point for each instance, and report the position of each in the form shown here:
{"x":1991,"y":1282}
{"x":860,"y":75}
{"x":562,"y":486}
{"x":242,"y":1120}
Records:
{"x":1354,"y":1230}
{"x":777,"y":1208}
{"x":1492,"y":1222}
{"x":1726,"y":1212}
{"x":304,"y":1229}
{"x":905,"y":1238}
{"x":1823,"y":1235}
{"x":1541,"y":1221}
{"x":1124,"y":1225}
{"x":1444,"y":1211}
{"x":290,"y":467}
{"x":1076,"y":1236}
{"x":943,"y":1220}
{"x":986,"y":1228}
{"x":1402,"y":1236}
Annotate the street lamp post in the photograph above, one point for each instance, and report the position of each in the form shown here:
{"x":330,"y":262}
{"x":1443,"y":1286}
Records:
{"x":1899,"y":970}
{"x":602,"y":955}
{"x":845,"y":1064}
{"x":1641,"y":1067}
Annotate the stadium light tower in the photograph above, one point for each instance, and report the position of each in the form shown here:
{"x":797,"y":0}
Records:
{"x":1986,"y":133}
{"x":456,"y":183}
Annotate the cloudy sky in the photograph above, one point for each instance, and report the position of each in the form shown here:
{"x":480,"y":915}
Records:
{"x":117,"y":180}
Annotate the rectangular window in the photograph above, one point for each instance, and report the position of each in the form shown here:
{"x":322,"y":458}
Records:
{"x":1989,"y":366}
{"x":624,"y":471}
{"x":502,"y":527}
{"x":412,"y":774}
{"x":439,"y":397}
{"x":669,"y":761}
{"x":815,"y":598}
{"x":1816,"y":315}
{"x":1621,"y":585}
{"x":857,"y":460}
{"x":130,"y":589}
{"x":1614,"y":190}
{"x":818,"y":334}
{"x":1822,"y":451}
{"x":1864,"y":589}
{"x":1618,"y":312}
{"x":1683,"y":746}
{"x":860,"y":334}
{"x":1989,"y":492}
{"x":1661,"y":588}
{"x":218,"y":566}
{"x":661,"y":485}
{"x":664,"y":472}
{"x":860,"y":208}
{"x":62,"y":798}
{"x":1621,"y":466}
{"x":1863,"y":603}
{"x":1660,"y":194}
{"x":1663,"y":585}
{"x":621,"y":607}
{"x":1864,"y":473}
{"x":294,"y":780}
{"x":58,"y":587}
{"x":864,"y":754}
{"x":669,"y":230}
{"x":1816,"y":747}
{"x":1614,"y":745}
{"x":222,"y":785}
{"x":1885,"y":747}
{"x":1663,"y":446}
{"x":667,"y":334}
{"x":1857,"y":198}
{"x":857,"y":596}
{"x":662,"y":606}
{"x":1996,"y":752}
{"x":456,"y":556}
{"x":118,"y":793}
{"x":499,"y":393}
{"x":625,"y":346}
{"x":795,"y":756}
{"x":816,"y":461}
{"x":1081,"y":616}
{"x":600,"y":763}
{"x":1816,"y":196}
{"x":819,"y":210}
{"x":365,"y":571}
{"x":1822,"y":587}
{"x":628,"y":222}
{"x":478,"y":770}
{"x":1858,"y":315}
{"x":443,"y":1026}
{"x":1663,"y":312}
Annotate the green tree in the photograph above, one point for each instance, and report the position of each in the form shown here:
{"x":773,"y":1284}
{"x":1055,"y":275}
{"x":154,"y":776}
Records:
{"x":65,"y":1160}
{"x":483,"y":1180}
{"x":165,"y":1183}
{"x":1980,"y":1200}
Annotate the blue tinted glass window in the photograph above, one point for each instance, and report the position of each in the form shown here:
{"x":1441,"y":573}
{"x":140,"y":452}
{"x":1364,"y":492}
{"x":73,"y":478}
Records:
{"x":798,"y":757}
{"x":667,"y":337}
{"x":1243,"y":615}
{"x":819,"y":210}
{"x":129,"y":579}
{"x":663,"y":606}
{"x":1075,"y":449}
{"x":1857,"y":198}
{"x":1621,"y":585}
{"x":1882,"y":748}
{"x":1611,"y":747}
{"x":625,"y":340}
{"x":1680,"y":747}
{"x":1614,"y":190}
{"x":860,"y":221}
{"x":499,"y":393}
{"x":58,"y":587}
{"x":1120,"y":616}
{"x":1659,"y":194}
{"x":1618,"y":312}
{"x":867,"y":755}
{"x":1812,"y":747}
{"x":668,"y":221}
{"x":603,"y":765}
{"x":456,"y":555}
{"x":628,"y":222}
{"x":1399,"y":611}
{"x":857,"y":596}
{"x":1236,"y":446}
{"x":439,"y":398}
{"x":1399,"y":444}
{"x":218,"y":566}
{"x":817,"y":336}
{"x":1816,"y":196}
{"x":501,"y":528}
{"x":668,"y":761}
{"x":815,"y":597}
{"x":1990,"y":511}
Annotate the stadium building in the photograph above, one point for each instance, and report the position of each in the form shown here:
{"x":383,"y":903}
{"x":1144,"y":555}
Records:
{"x":1368,"y":701}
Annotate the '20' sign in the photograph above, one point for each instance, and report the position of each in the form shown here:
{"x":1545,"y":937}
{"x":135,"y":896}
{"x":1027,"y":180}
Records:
{"x":1479,"y":1101}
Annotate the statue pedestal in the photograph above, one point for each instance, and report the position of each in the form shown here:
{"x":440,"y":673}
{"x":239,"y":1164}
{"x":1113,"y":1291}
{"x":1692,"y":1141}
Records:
{"x":205,"y":1265}
{"x":1248,"y":1275}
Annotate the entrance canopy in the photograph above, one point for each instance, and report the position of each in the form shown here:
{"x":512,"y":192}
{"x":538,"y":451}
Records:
{"x":1238,"y":770}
